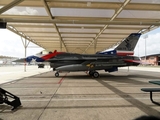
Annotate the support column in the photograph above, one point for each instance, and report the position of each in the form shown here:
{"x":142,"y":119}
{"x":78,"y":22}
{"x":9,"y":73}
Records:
{"x":25,"y":44}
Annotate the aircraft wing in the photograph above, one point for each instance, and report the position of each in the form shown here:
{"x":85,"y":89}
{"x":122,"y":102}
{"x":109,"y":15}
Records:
{"x":104,"y":64}
{"x":115,"y":61}
{"x":20,"y":60}
{"x":82,"y":58}
{"x":63,"y":59}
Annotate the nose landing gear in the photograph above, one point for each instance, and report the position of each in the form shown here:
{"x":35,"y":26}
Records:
{"x":57,"y":74}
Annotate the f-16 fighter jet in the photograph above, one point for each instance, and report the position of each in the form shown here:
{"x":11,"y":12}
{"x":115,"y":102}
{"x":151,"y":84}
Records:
{"x":108,"y":60}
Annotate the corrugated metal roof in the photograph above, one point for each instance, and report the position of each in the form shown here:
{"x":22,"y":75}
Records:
{"x":80,"y":26}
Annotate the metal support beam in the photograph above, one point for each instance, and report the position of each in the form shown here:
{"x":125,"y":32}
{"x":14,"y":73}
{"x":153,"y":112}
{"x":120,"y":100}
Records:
{"x":47,"y":9}
{"x":25,"y":44}
{"x":132,"y":22}
{"x":112,"y":18}
{"x":10,"y":5}
{"x":71,"y":18}
{"x":51,"y":18}
{"x":22,"y":35}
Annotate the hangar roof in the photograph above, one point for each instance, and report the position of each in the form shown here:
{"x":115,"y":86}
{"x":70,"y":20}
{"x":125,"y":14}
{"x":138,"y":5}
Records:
{"x":82,"y":26}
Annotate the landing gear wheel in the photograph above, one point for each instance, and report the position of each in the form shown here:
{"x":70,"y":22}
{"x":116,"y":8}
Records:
{"x":57,"y":74}
{"x":95,"y":74}
{"x":91,"y":73}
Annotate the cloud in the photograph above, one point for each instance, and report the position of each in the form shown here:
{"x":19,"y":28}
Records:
{"x":11,"y":45}
{"x":152,"y":44}
{"x":22,"y":11}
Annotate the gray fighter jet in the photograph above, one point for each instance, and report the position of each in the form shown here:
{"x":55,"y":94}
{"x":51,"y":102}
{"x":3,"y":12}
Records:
{"x":108,"y":60}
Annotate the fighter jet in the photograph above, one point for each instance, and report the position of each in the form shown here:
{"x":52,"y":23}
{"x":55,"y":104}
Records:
{"x":108,"y":60}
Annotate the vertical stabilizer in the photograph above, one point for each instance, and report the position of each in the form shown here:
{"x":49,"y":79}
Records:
{"x":126,"y":47}
{"x":129,"y":43}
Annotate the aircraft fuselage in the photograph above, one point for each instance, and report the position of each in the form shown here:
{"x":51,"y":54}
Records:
{"x":76,"y":62}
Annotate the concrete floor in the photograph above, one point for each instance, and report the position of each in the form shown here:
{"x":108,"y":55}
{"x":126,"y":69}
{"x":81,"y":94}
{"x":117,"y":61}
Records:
{"x":77,"y":96}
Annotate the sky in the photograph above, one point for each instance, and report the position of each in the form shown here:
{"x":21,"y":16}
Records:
{"x":152,"y":39}
{"x":11,"y":44}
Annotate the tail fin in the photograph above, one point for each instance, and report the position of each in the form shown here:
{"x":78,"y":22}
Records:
{"x":126,"y":47}
{"x":129,"y":43}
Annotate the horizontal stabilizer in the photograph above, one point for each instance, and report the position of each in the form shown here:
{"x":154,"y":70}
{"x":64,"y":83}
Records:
{"x":132,"y":61}
{"x":126,"y":47}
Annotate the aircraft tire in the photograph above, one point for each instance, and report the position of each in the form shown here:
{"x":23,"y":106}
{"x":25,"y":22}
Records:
{"x":95,"y":75}
{"x":91,"y":73}
{"x":57,"y":74}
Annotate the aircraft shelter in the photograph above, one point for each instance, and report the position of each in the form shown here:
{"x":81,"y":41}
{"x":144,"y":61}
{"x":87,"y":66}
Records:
{"x":82,"y":26}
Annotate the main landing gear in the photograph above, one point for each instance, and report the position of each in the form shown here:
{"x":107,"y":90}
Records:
{"x":95,"y":74}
